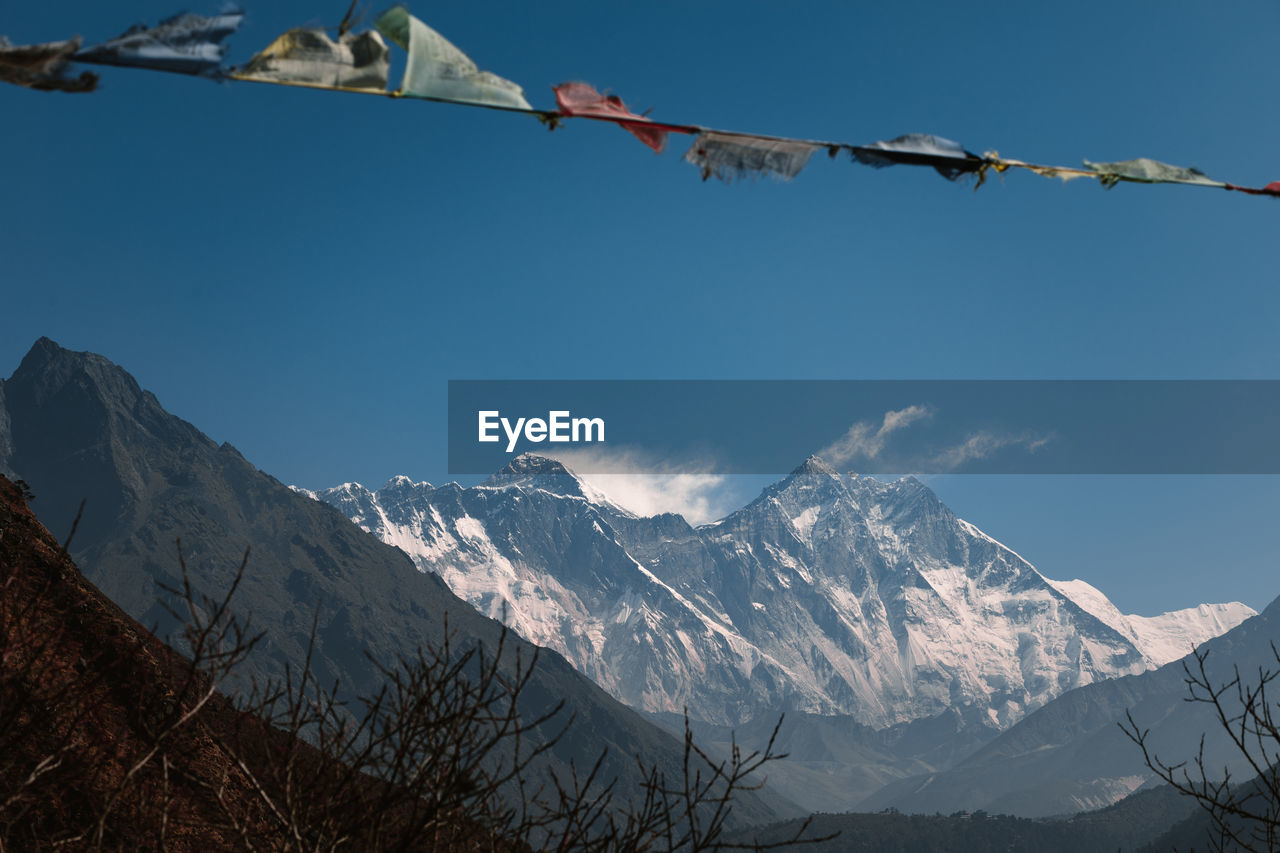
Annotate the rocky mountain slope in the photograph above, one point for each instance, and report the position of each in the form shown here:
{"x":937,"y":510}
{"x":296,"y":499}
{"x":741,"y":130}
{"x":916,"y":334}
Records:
{"x":83,"y":691}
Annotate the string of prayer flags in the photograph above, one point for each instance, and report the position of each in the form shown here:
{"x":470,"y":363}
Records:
{"x":582,"y":99}
{"x":43,"y":66}
{"x":439,"y":71}
{"x":730,"y":155}
{"x":184,"y":44}
{"x":947,"y":158}
{"x":1144,"y":170}
{"x":308,"y":57}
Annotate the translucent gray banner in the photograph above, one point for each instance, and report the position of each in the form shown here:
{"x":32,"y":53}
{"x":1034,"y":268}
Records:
{"x":872,"y":427}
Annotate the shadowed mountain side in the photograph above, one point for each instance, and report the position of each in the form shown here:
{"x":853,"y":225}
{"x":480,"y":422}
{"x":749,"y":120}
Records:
{"x":81,"y":427}
{"x":1071,"y":754}
{"x":833,"y":763}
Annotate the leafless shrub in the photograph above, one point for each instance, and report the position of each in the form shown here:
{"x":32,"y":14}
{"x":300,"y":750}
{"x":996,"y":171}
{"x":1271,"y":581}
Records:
{"x":440,"y":758}
{"x":1245,"y":813}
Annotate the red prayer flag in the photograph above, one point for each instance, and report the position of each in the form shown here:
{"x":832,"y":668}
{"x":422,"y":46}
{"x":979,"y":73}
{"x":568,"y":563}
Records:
{"x":581,"y":99}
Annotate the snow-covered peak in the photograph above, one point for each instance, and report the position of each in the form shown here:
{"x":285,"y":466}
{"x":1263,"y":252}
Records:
{"x":352,"y":489}
{"x":532,"y":465}
{"x":538,"y":472}
{"x":1162,"y":638}
{"x":530,"y":471}
{"x":814,"y":465}
{"x":400,"y":482}
{"x":1172,"y":635}
{"x":813,"y":482}
{"x":827,"y":593}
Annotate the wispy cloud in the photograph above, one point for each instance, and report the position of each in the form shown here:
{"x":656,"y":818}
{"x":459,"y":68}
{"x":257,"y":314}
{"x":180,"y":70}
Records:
{"x":980,"y":445}
{"x":647,"y":486}
{"x":865,"y":440}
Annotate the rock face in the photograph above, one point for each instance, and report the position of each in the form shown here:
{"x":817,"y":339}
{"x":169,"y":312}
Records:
{"x":78,"y":427}
{"x":828,"y":594}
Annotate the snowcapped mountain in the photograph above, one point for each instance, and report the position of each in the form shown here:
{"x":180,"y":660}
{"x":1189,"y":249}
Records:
{"x":829,"y":593}
{"x":1164,"y":638}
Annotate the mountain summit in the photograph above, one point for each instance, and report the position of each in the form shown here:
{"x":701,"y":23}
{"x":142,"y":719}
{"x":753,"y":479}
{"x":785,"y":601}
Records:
{"x":529,"y":471}
{"x":829,"y":593}
{"x":814,"y":465}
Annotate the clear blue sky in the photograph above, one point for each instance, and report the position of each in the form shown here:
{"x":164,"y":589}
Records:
{"x":299,"y":273}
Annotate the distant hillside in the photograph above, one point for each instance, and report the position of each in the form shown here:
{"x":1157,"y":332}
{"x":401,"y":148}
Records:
{"x":1071,"y":754}
{"x":1129,"y":825}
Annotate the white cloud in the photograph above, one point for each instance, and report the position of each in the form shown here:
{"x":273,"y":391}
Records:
{"x":647,"y":487}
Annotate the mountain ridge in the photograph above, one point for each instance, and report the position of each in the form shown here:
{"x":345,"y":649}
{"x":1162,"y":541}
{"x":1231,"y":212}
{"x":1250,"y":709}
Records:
{"x":888,"y":578}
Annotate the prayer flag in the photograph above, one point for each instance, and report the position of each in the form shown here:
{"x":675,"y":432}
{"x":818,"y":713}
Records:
{"x":1144,"y":170}
{"x":581,"y":99}
{"x":947,"y":158}
{"x":185,"y":44}
{"x":436,"y":69}
{"x":729,"y":156}
{"x":43,"y":66}
{"x":308,"y":57}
